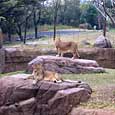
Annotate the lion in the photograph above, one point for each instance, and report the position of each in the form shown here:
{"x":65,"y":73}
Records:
{"x":62,"y":47}
{"x":40,"y":74}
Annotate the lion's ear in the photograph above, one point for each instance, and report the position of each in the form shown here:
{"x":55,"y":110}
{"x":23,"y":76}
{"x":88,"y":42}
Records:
{"x":35,"y":66}
{"x":41,"y":65}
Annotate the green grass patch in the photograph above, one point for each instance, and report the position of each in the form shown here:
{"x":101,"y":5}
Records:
{"x":11,"y":73}
{"x":98,"y":105}
{"x":51,"y":27}
{"x":95,"y":80}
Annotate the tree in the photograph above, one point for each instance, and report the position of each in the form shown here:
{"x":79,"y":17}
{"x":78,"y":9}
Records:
{"x":106,"y":8}
{"x":70,"y":12}
{"x":89,"y":14}
{"x":37,"y":12}
{"x":18,"y":14}
{"x":56,"y":4}
{"x":7,"y":25}
{"x":65,"y":12}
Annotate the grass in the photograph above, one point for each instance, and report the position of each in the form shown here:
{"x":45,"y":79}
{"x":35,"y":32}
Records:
{"x":103,"y":86}
{"x":11,"y":73}
{"x":51,"y":27}
{"x":98,"y":105}
{"x":95,"y":80}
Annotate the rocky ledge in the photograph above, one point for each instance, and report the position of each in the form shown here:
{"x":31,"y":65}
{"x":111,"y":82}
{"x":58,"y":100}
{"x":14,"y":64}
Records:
{"x":19,"y":96}
{"x":66,"y":65}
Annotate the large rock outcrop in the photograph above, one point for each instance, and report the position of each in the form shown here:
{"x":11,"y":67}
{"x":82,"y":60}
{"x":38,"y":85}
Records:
{"x":66,"y":65}
{"x":21,"y":97}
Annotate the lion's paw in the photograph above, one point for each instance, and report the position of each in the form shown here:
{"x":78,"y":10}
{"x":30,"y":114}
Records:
{"x":57,"y":55}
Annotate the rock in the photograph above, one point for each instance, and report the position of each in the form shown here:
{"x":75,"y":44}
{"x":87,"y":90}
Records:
{"x":66,"y":65}
{"x":102,"y":42}
{"x":16,"y":59}
{"x":2,"y":59}
{"x":19,"y":96}
{"x":104,"y":56}
{"x":85,"y":43}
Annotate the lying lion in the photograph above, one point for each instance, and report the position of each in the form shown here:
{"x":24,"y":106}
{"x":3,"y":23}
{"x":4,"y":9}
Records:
{"x":63,"y":47}
{"x":40,"y":74}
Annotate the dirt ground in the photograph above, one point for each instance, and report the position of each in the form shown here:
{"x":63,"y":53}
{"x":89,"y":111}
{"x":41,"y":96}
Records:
{"x":81,"y":111}
{"x":102,"y":102}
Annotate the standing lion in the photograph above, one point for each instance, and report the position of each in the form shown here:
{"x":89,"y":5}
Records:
{"x":62,"y":47}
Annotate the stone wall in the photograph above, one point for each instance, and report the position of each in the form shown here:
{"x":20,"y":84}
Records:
{"x":2,"y":59}
{"x":104,"y":56}
{"x":17,"y":59}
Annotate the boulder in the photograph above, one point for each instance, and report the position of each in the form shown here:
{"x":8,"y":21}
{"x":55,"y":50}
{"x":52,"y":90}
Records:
{"x":102,"y":42}
{"x":66,"y":65}
{"x":19,"y":96}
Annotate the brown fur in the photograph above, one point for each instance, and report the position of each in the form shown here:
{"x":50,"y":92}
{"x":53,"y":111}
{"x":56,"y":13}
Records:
{"x":63,"y":47}
{"x":40,"y":74}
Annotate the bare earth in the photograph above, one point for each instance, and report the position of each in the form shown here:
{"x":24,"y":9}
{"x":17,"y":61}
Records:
{"x":100,"y":95}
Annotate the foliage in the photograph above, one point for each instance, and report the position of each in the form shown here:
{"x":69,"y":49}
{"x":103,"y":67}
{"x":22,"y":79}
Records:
{"x":71,"y":12}
{"x":17,"y":14}
{"x":89,"y":14}
{"x":21,"y":15}
{"x":106,"y":8}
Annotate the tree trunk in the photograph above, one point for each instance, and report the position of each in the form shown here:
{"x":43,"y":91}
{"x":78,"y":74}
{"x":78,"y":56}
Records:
{"x":55,"y":20}
{"x":36,"y":31}
{"x":99,"y":22}
{"x":105,"y":21}
{"x":54,"y":36}
{"x":25,"y":31}
{"x":19,"y":32}
{"x":104,"y":27}
{"x":35,"y":24}
{"x":9,"y":34}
